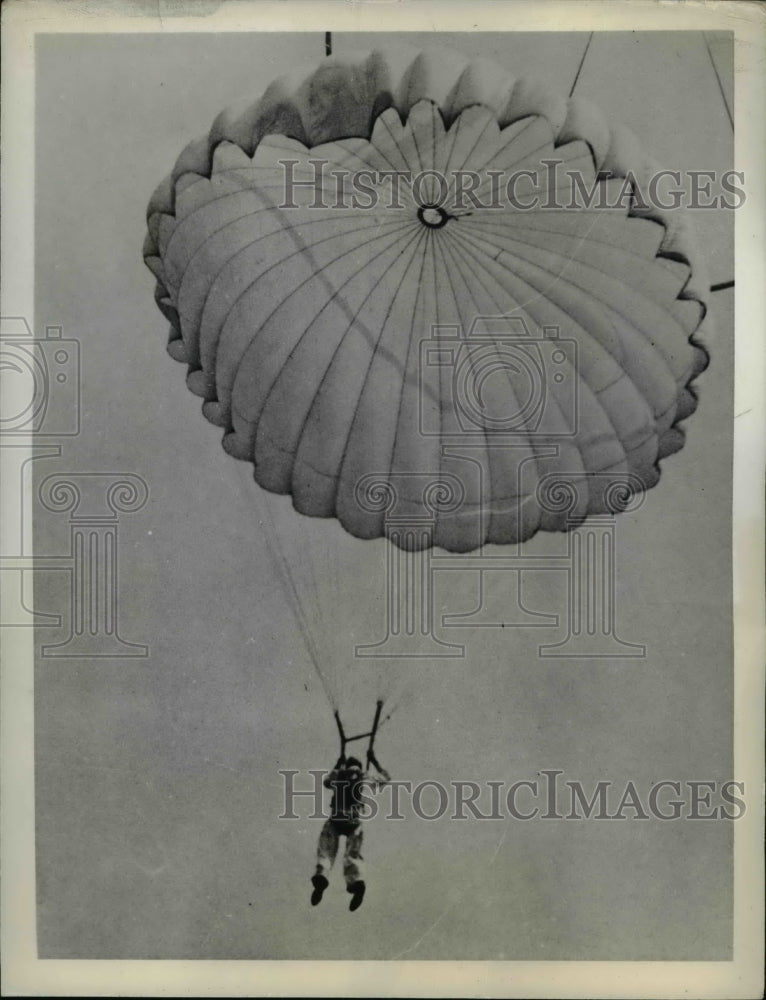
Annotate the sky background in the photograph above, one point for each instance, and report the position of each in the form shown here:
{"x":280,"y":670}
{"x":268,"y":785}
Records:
{"x":157,"y":779}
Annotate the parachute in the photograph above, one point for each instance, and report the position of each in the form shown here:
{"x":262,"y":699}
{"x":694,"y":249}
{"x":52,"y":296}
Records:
{"x":399,"y":339}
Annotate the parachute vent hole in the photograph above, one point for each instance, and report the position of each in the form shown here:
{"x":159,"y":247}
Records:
{"x":433,"y":216}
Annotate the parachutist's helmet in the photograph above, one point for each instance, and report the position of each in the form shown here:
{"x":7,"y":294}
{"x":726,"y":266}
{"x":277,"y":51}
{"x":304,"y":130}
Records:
{"x":352,"y":762}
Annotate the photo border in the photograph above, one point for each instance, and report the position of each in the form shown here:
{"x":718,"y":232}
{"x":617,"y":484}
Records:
{"x":23,"y":973}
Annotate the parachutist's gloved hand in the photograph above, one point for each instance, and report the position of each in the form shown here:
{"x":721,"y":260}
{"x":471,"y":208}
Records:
{"x":340,"y":762}
{"x":372,"y":759}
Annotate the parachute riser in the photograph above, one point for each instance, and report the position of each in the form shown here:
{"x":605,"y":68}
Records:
{"x":345,"y":740}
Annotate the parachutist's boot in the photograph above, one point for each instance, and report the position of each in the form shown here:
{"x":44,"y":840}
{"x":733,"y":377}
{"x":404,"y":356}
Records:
{"x":357,"y":894}
{"x":320,"y":883}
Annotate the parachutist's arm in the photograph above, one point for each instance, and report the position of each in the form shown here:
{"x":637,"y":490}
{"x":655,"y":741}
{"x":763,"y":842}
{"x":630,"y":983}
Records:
{"x":372,"y":759}
{"x":377,"y":783}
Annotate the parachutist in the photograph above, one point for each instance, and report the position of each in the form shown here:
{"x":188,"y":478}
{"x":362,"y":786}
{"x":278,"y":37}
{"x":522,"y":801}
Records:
{"x":345,"y":780}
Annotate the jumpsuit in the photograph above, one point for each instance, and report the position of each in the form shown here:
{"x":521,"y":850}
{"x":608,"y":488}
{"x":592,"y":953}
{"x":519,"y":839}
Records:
{"x":344,"y":821}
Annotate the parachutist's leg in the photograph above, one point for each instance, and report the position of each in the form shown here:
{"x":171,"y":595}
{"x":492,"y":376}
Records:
{"x":352,"y":859}
{"x":327,"y":851}
{"x":327,"y":848}
{"x":352,"y":868}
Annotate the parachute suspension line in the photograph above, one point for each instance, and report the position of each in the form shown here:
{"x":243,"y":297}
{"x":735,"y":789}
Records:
{"x":308,"y":565}
{"x":323,"y":561}
{"x":281,"y":561}
{"x":299,"y":610}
